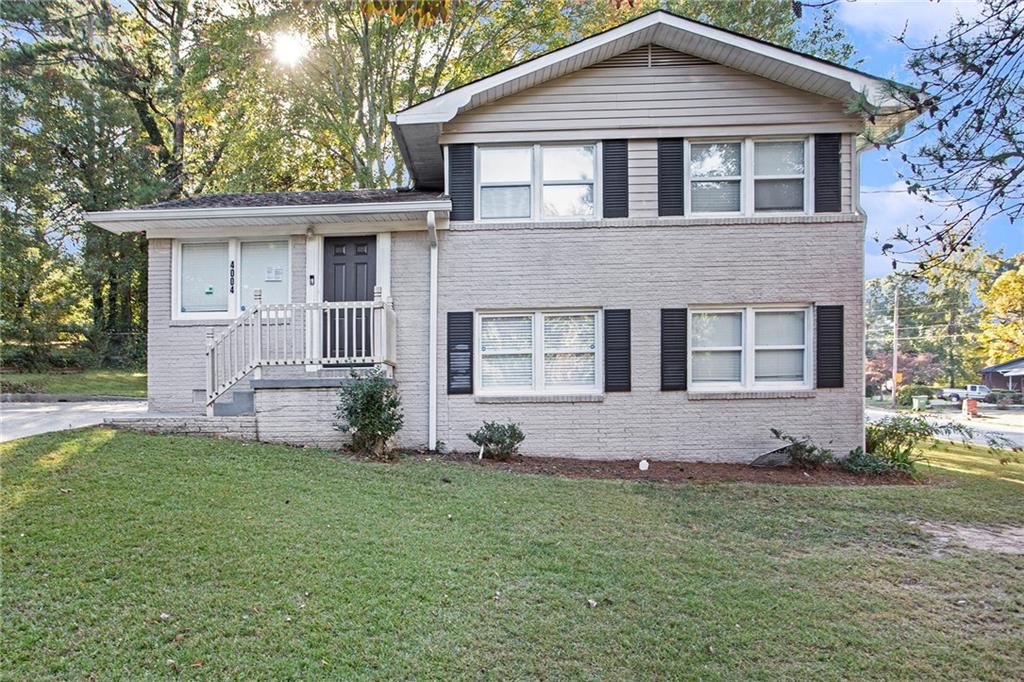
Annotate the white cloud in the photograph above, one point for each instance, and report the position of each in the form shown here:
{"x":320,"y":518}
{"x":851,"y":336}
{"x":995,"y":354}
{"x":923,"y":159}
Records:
{"x":889,"y":208}
{"x":923,"y":19}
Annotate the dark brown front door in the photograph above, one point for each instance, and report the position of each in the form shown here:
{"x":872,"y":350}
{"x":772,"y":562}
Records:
{"x":350,"y":273}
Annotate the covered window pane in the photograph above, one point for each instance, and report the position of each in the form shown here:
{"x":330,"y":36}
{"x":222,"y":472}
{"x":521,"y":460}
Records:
{"x":717,"y":366}
{"x":779,"y":158}
{"x":569,"y":332}
{"x":497,"y":371}
{"x":718,"y":159}
{"x":779,"y":365}
{"x":568,"y":200}
{"x":204,"y":278}
{"x":570,"y":350}
{"x":510,"y":165}
{"x":568,"y":163}
{"x":717,"y":330}
{"x":778,"y":195}
{"x":505,"y":202}
{"x":506,"y":351}
{"x":715,"y":197}
{"x":264,"y":266}
{"x":506,"y":333}
{"x":779,"y":328}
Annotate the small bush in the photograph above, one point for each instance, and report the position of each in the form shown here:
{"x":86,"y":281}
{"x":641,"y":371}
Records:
{"x":861,"y":462}
{"x":802,"y":452}
{"x":905,"y":394}
{"x":371,"y":411}
{"x":1003,"y":397}
{"x":499,"y":441}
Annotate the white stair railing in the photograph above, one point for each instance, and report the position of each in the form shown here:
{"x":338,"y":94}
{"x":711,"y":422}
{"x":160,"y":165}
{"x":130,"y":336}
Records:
{"x":325,"y":333}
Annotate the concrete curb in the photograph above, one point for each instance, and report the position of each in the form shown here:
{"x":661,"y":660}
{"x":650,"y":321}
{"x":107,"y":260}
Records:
{"x":63,"y":398}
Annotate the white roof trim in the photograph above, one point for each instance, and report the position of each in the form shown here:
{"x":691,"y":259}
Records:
{"x":131,"y":220}
{"x":444,"y":107}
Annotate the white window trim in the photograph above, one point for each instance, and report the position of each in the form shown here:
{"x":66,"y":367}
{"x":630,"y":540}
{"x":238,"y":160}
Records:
{"x":747,"y":176}
{"x":747,"y":382}
{"x":537,"y":183}
{"x":538,"y":387}
{"x":234,"y":295}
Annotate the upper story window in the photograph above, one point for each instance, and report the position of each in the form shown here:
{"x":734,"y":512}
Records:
{"x":537,"y":182}
{"x":749,"y":348}
{"x":218,"y":279}
{"x":747,"y":176}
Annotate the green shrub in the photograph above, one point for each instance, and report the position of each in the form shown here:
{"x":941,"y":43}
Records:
{"x":499,"y":441}
{"x":802,"y":452}
{"x":865,"y":463}
{"x":899,"y":438}
{"x":905,"y":394}
{"x":371,"y":411}
{"x":1004,"y":397}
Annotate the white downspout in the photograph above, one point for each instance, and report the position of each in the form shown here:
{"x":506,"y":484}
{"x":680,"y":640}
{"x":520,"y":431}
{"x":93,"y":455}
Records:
{"x":432,"y":343}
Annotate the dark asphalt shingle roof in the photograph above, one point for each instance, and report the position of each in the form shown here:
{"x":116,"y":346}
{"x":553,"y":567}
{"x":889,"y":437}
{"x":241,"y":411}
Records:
{"x":264,"y":199}
{"x":1010,"y":364}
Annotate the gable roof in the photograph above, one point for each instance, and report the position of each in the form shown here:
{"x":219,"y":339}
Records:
{"x":1003,"y":366}
{"x":418,"y":128}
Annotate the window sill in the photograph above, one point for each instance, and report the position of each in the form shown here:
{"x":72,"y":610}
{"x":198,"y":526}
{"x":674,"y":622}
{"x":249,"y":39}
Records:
{"x":751,"y":395}
{"x":540,"y":398}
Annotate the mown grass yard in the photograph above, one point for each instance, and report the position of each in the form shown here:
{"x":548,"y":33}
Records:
{"x":127,"y":556}
{"x":112,"y":382}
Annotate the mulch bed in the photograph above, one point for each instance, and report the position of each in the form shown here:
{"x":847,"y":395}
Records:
{"x":679,"y":472}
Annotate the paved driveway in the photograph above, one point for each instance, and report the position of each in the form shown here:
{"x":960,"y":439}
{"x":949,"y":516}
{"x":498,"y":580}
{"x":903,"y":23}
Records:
{"x":18,"y":420}
{"x":1015,"y":435}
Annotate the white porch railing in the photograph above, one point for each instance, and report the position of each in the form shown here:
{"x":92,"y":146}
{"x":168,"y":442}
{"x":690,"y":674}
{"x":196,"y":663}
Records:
{"x":324,"y":333}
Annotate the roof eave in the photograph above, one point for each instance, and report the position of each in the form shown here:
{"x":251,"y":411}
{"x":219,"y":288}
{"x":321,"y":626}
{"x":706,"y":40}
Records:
{"x":134,"y":220}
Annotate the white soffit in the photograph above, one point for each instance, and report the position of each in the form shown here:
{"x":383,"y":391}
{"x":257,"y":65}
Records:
{"x":291,"y":219}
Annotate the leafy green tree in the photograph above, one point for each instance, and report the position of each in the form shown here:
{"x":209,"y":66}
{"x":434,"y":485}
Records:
{"x":1001,"y":335}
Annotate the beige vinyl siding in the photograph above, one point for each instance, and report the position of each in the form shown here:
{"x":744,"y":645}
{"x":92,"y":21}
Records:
{"x":643,"y":178}
{"x":679,"y":93}
{"x":846,"y":153}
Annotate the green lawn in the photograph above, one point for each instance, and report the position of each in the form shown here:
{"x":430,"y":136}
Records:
{"x":119,"y":382}
{"x":127,"y":556}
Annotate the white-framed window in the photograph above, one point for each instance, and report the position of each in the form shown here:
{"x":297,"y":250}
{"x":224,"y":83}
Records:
{"x":747,"y":176}
{"x":538,"y":181}
{"x":217,"y":278}
{"x":749,"y":347}
{"x":523,"y":352}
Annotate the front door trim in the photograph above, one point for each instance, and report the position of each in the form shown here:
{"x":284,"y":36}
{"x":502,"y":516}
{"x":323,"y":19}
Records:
{"x":315,"y":270}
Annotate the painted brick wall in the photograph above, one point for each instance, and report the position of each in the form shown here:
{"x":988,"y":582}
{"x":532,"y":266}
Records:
{"x":299,"y":416}
{"x":644,"y":266}
{"x":176,"y":349}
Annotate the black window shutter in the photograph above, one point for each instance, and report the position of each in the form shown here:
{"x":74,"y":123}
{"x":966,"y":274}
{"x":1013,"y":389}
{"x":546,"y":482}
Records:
{"x":460,"y":181}
{"x":615,"y":178}
{"x":616,"y":351}
{"x":460,"y":353}
{"x":670,"y":176}
{"x":829,"y":353}
{"x":828,"y":190}
{"x":673,"y":349}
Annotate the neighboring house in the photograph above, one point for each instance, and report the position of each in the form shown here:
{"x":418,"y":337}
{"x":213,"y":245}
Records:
{"x":648,"y":243}
{"x":1007,"y":375}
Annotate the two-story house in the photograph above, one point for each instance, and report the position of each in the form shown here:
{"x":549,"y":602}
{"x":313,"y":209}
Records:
{"x":648,"y":243}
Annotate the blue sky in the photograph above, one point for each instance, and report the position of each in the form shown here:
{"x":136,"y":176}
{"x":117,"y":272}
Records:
{"x":871,"y":25}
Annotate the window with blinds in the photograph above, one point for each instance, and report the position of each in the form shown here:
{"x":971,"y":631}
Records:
{"x":750,"y":347}
{"x":545,"y":352}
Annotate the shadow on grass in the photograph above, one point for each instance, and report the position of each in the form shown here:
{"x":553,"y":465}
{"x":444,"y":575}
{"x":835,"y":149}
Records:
{"x":50,"y":456}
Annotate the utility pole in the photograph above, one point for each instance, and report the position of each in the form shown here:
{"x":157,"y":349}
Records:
{"x":895,"y":337}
